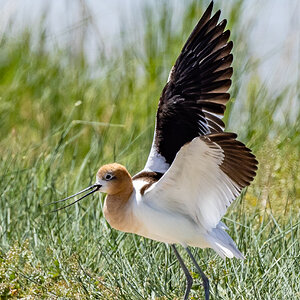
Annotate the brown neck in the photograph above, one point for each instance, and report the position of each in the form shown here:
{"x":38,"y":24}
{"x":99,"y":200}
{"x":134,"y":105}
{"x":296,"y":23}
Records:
{"x":116,"y":210}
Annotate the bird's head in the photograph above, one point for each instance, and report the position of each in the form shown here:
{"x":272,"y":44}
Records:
{"x":112,"y":179}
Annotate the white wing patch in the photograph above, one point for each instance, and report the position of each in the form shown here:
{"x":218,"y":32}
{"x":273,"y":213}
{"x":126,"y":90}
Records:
{"x":155,"y":161}
{"x":170,"y":74}
{"x":195,"y":185}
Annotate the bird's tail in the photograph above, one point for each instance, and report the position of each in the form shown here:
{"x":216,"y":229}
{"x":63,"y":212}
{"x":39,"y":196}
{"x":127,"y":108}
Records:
{"x":222,"y":243}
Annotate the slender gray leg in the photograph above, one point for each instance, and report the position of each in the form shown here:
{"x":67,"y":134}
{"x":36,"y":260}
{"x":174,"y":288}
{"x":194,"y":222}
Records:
{"x":189,"y":279}
{"x":204,"y":278}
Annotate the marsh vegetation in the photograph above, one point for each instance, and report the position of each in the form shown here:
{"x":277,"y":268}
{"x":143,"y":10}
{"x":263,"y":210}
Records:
{"x":61,"y":118}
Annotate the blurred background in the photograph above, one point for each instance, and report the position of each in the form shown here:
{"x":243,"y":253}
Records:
{"x":88,"y":25}
{"x":79,"y":86}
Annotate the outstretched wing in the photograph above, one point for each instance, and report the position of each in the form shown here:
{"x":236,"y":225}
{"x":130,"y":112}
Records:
{"x":207,"y":174}
{"x":193,"y":100}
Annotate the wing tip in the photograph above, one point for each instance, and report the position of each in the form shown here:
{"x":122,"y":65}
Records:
{"x":206,"y":17}
{"x":217,"y":15}
{"x":229,"y":45}
{"x":210,"y":7}
{"x":223,"y":22}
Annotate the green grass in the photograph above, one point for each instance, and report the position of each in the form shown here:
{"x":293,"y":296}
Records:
{"x":59,"y":124}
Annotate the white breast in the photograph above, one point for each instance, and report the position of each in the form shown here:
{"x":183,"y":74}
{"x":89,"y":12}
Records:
{"x":163,"y":225}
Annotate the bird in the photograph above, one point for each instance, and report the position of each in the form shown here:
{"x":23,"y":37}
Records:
{"x":195,"y":169}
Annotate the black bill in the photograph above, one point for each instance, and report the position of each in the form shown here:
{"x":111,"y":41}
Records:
{"x":94,"y":188}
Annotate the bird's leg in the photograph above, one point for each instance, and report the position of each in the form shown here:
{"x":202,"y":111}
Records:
{"x":204,"y":278}
{"x":189,"y":279}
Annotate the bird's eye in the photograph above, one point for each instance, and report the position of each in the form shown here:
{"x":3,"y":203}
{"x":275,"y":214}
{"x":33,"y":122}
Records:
{"x":108,"y":177}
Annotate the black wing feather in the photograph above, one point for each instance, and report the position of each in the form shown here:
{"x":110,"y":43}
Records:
{"x":197,"y":89}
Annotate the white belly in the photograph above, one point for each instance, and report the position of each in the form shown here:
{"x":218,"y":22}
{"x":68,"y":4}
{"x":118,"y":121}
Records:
{"x":165,"y":226}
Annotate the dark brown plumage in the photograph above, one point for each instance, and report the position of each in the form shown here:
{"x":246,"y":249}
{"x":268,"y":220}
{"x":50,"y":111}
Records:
{"x":239,"y":163}
{"x":149,"y":177}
